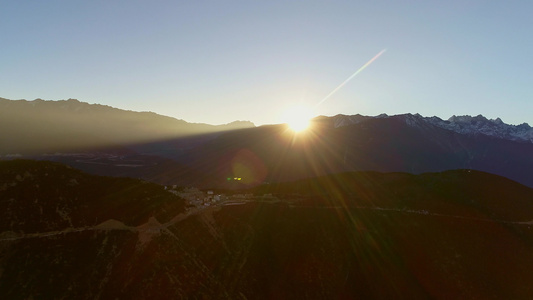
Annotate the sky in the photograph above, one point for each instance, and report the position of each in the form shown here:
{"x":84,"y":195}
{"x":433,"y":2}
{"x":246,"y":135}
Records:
{"x":220,"y":61}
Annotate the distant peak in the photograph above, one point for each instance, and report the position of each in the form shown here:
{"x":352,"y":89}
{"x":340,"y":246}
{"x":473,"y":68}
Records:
{"x":465,"y":124}
{"x":238,"y":125}
{"x":460,"y":119}
{"x":470,"y":119}
{"x":242,"y":122}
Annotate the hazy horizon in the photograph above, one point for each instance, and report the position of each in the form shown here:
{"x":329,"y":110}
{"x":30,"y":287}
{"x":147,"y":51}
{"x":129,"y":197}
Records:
{"x":247,"y":120}
{"x":220,"y":62}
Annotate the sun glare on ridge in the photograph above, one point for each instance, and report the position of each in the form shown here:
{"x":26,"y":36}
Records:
{"x":298,"y":117}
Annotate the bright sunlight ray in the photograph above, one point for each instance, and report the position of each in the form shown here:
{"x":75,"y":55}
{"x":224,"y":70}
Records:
{"x":298,"y":117}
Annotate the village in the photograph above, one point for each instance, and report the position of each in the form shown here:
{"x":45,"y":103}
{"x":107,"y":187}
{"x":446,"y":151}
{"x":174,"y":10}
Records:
{"x":196,"y":198}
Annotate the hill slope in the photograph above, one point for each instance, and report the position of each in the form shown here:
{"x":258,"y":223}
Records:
{"x":458,"y":234}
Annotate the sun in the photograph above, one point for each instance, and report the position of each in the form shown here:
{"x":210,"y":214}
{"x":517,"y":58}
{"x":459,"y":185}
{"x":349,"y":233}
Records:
{"x":298,"y":117}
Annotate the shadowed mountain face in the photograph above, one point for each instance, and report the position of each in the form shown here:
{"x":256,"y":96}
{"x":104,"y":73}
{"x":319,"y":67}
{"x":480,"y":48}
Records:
{"x":273,"y":153}
{"x":457,"y":234}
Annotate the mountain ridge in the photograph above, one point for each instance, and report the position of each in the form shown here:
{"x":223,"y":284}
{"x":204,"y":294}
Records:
{"x":160,"y":152}
{"x":465,"y":124}
{"x":40,"y":126}
{"x":79,"y":106}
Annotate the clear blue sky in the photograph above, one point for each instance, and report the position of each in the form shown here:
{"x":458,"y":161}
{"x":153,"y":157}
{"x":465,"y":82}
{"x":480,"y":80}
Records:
{"x":220,"y":61}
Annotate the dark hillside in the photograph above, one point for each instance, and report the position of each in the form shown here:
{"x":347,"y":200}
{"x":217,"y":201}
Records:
{"x":45,"y":196}
{"x":453,"y":235}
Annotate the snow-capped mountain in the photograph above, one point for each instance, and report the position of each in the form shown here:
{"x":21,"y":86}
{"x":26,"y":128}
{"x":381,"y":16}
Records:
{"x":481,"y":125}
{"x":461,"y":124}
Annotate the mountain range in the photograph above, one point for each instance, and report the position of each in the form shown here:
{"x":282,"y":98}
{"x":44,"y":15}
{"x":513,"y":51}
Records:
{"x":39,"y":126}
{"x":108,"y":141}
{"x":478,"y":125}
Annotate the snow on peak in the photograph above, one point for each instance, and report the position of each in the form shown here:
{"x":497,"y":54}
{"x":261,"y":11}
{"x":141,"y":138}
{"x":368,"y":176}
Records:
{"x":344,"y":120}
{"x":490,"y":127}
{"x":469,"y":125}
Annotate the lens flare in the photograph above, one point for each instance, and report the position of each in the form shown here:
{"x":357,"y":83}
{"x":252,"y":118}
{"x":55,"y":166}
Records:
{"x":352,"y":76}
